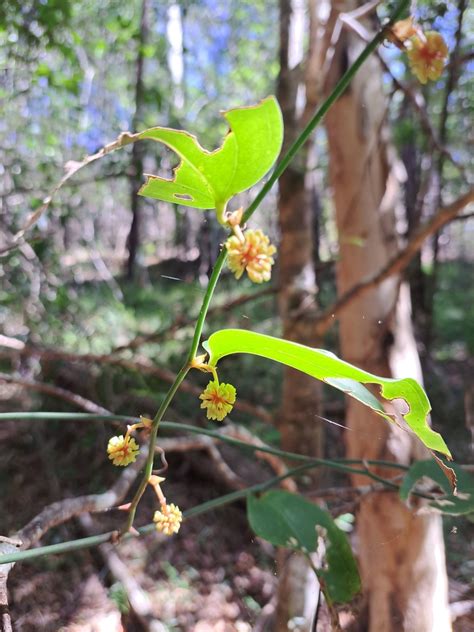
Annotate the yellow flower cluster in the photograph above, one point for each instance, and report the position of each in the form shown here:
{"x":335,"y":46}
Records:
{"x":252,"y":253}
{"x":169,"y":519}
{"x":427,"y":52}
{"x":427,"y":56}
{"x":218,"y":399}
{"x":122,"y":450}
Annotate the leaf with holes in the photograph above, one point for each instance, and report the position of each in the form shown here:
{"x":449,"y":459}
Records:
{"x":289,"y":520}
{"x":209,"y":179}
{"x":327,"y":367}
{"x":455,"y":504}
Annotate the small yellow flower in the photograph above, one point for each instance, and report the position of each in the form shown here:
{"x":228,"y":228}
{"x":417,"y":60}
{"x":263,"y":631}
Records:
{"x":168,"y":520}
{"x":426,"y":57}
{"x":218,"y":399}
{"x":254,"y":254}
{"x":122,"y":450}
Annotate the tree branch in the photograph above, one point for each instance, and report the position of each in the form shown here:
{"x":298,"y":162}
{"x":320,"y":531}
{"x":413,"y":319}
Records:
{"x":55,"y":391}
{"x":415,"y":98}
{"x":396,"y":264}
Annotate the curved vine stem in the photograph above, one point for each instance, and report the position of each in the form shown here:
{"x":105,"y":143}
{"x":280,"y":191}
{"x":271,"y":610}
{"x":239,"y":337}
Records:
{"x":279,"y":169}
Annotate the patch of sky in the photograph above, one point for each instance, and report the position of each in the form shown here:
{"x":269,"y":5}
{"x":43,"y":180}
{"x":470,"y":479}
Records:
{"x":90,"y":139}
{"x":207,"y":39}
{"x":447,"y":25}
{"x":37,"y":107}
{"x":394,"y":58}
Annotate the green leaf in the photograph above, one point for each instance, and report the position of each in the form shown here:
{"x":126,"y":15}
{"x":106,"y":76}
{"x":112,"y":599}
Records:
{"x":455,"y":504}
{"x":289,"y":520}
{"x":207,"y":180}
{"x":327,"y":367}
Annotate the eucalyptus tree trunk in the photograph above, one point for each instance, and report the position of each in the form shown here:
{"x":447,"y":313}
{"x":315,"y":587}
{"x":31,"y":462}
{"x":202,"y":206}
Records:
{"x":401,"y":551}
{"x":136,"y":167}
{"x":301,"y":399}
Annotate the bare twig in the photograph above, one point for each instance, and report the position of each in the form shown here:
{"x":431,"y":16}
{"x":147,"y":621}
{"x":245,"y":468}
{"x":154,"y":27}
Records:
{"x":184,"y":444}
{"x":71,"y":168}
{"x":207,"y":444}
{"x":63,"y":510}
{"x":397,"y":263}
{"x":415,"y":98}
{"x":276,"y":463}
{"x":463,"y":218}
{"x":141,"y":365}
{"x":56,"y":391}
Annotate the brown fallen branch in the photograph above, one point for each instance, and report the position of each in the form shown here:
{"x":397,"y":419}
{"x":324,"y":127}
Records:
{"x":206,"y":444}
{"x":56,"y":391}
{"x":143,"y":365}
{"x":209,"y":444}
{"x":397,"y":264}
{"x":63,"y":510}
{"x":275,"y":462}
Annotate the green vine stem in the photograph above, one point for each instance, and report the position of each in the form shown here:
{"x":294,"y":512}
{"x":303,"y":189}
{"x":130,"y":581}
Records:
{"x":279,"y":169}
{"x":344,"y":465}
{"x":215,"y":503}
{"x":340,"y":464}
{"x":321,"y":112}
{"x":152,"y":445}
{"x":91,"y":541}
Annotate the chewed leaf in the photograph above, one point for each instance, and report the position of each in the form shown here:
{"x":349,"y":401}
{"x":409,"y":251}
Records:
{"x":459,"y":503}
{"x":207,"y":180}
{"x":289,"y":520}
{"x":338,"y":373}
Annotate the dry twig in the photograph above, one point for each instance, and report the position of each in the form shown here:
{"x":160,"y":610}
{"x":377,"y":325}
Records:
{"x":141,"y":365}
{"x":56,"y":391}
{"x":397,"y":264}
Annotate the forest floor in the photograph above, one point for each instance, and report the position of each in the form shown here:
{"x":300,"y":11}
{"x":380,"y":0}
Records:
{"x":213,"y":576}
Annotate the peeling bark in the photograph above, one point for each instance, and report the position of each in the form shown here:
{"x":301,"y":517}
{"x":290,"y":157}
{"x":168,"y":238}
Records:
{"x":401,"y":551}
